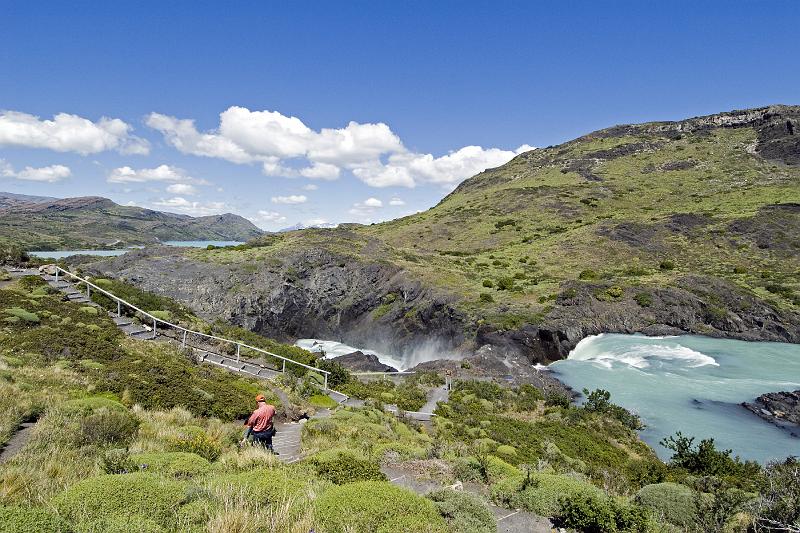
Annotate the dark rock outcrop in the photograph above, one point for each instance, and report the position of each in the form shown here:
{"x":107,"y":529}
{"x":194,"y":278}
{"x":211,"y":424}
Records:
{"x":779,"y":408}
{"x":359,"y":361}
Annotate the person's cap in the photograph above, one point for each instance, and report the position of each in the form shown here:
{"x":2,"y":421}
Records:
{"x":261,"y":398}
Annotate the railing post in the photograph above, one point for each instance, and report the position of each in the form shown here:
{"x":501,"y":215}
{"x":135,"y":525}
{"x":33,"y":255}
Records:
{"x":56,"y":275}
{"x":183,"y":344}
{"x":88,"y":291}
{"x":326,"y":382}
{"x":238,"y":346}
{"x":154,"y":328}
{"x":284,"y":366}
{"x":119,"y":309}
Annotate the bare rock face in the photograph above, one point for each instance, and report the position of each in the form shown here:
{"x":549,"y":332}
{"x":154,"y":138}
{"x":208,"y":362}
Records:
{"x":779,"y":408}
{"x":359,"y":361}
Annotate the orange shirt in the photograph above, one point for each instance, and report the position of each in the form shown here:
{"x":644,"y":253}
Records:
{"x":261,"y":419}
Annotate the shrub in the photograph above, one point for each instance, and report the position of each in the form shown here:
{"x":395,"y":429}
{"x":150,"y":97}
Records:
{"x":610,"y":294}
{"x":175,"y":464}
{"x":488,"y":283}
{"x":644,"y":299}
{"x":265,"y":486}
{"x":505,"y":283}
{"x":594,"y":514}
{"x":122,"y":495}
{"x":105,"y":426}
{"x":27,"y":519}
{"x":166,"y":316}
{"x":124,"y":524}
{"x":506,"y":451}
{"x":671,"y":502}
{"x":486,"y":297}
{"x":779,"y":504}
{"x":20,"y":314}
{"x":200,"y":444}
{"x":667,"y":264}
{"x":463,"y":512}
{"x":739,"y":270}
{"x":92,"y":403}
{"x":345,"y":467}
{"x":705,"y":459}
{"x":339,"y":375}
{"x":556,"y":398}
{"x":374,"y":505}
{"x":322,"y":401}
{"x":541,"y":493}
{"x":587,"y":274}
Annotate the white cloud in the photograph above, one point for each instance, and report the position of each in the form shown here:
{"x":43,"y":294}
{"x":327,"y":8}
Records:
{"x":164,"y":173}
{"x":291,"y":199}
{"x":281,"y":144}
{"x":396,"y":201}
{"x":48,"y":174}
{"x":322,"y":171}
{"x":373,"y":202}
{"x":365,"y":210}
{"x":310,"y":187}
{"x":267,"y":217}
{"x":182,"y":188}
{"x":69,"y":133}
{"x":179,"y":204}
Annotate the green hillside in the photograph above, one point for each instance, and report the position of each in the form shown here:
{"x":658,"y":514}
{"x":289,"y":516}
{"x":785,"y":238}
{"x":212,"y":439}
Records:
{"x":661,"y":227}
{"x":132,"y":435}
{"x":93,"y":222}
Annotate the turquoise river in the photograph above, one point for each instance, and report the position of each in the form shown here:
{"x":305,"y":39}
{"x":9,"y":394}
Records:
{"x":691,"y":384}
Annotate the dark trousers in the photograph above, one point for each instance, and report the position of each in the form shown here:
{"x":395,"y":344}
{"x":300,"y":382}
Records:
{"x":262,"y":438}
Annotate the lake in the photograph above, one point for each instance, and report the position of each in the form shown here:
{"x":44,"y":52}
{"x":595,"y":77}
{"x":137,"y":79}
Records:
{"x":61,"y":254}
{"x":691,"y":384}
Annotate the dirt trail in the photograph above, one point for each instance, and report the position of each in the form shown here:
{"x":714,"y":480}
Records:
{"x":17,"y":441}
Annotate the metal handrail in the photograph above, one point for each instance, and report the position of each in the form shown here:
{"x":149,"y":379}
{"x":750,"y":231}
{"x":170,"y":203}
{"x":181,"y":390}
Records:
{"x":187,"y":331}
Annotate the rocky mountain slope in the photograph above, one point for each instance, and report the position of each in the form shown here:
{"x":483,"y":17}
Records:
{"x":95,"y":222}
{"x":10,"y":199}
{"x":664,"y":227}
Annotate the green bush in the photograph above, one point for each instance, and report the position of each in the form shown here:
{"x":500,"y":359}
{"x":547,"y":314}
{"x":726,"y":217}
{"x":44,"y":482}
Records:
{"x":506,"y":283}
{"x":106,"y":426}
{"x":266,"y":486}
{"x":339,"y":375}
{"x":374,"y":505}
{"x":488,"y":283}
{"x":610,"y":294}
{"x":124,"y":524}
{"x":122,"y":495}
{"x":587,"y":274}
{"x":92,"y":403}
{"x":463,"y":512}
{"x":671,"y":502}
{"x":18,"y":313}
{"x":345,"y":467}
{"x":175,"y":464}
{"x":322,"y":401}
{"x":541,"y":493}
{"x":486,"y":297}
{"x":28,"y":519}
{"x":199,"y":444}
{"x":644,"y":299}
{"x":667,"y":264}
{"x":595,"y":514}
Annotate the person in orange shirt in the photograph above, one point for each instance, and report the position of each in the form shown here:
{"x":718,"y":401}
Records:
{"x":259,"y":426}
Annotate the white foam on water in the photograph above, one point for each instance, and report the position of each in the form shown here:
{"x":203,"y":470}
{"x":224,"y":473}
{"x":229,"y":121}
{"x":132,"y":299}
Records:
{"x":333,"y":349}
{"x":640,"y":355}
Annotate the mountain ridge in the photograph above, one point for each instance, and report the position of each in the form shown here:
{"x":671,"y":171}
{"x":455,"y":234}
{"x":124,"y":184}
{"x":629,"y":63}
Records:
{"x":95,"y":221}
{"x":636,"y":228}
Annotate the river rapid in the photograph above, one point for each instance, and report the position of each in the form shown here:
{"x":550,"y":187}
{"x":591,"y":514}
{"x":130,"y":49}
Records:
{"x":691,"y":384}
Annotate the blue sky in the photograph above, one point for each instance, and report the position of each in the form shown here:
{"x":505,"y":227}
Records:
{"x":391,"y":99}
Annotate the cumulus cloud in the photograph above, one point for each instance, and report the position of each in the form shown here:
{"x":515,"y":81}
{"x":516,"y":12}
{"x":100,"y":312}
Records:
{"x":290,"y":200}
{"x":396,"y":202}
{"x":48,"y":174}
{"x":310,"y":187}
{"x":69,"y":133}
{"x":178,"y":204}
{"x":365,"y":211}
{"x":165,"y":173}
{"x":373,"y":202}
{"x":267,"y":217}
{"x":182,"y":188}
{"x":285,"y":146}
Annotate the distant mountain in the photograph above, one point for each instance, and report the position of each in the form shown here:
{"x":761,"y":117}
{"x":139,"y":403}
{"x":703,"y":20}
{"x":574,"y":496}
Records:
{"x":300,"y":226}
{"x":95,"y":222}
{"x":9,"y":199}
